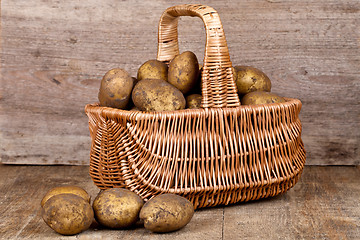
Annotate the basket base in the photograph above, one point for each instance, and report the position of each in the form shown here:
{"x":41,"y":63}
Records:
{"x":243,"y":195}
{"x":220,"y":197}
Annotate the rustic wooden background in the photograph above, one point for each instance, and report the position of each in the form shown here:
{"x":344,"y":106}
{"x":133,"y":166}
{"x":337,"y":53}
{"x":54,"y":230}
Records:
{"x":54,"y":53}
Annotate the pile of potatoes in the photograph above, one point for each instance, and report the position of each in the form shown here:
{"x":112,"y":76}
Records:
{"x":68,"y":210}
{"x":174,"y":86}
{"x":158,"y":86}
{"x":254,"y":86}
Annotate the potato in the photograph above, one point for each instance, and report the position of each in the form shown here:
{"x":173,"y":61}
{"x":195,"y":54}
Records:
{"x":184,"y":71}
{"x":250,"y":79}
{"x":193,"y":101}
{"x":65,"y":189}
{"x":166,"y":213}
{"x":67,"y":214}
{"x":115,"y":89}
{"x":134,"y":109}
{"x":261,"y":97}
{"x":117,"y":208}
{"x":153,"y":69}
{"x":157,"y":95}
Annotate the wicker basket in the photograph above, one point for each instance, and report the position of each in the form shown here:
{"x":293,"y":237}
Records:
{"x":220,"y":154}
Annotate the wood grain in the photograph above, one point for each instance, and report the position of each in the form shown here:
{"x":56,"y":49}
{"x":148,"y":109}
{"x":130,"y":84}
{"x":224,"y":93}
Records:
{"x":54,"y":53}
{"x":322,"y":205}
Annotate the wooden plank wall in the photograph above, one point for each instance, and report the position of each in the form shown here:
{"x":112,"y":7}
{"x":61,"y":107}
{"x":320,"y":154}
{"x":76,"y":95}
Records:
{"x":54,"y":53}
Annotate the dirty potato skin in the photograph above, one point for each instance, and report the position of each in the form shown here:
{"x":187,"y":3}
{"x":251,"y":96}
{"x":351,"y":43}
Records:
{"x":261,"y":97}
{"x":115,"y":89}
{"x":157,"y":95}
{"x":134,"y":109}
{"x":153,"y":69}
{"x":250,"y":79}
{"x":193,"y":101}
{"x":117,"y":208}
{"x":65,"y":189}
{"x":184,"y":71}
{"x":166,"y":213}
{"x":67,"y":214}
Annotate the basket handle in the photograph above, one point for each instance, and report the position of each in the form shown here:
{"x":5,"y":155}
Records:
{"x":217,"y":82}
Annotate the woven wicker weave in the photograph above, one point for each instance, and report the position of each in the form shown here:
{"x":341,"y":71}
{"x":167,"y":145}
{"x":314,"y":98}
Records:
{"x":220,"y":154}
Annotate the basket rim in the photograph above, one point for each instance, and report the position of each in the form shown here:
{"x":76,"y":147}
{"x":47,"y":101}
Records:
{"x":109,"y":111}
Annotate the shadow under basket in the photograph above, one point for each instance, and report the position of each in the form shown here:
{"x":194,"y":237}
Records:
{"x":220,"y":154}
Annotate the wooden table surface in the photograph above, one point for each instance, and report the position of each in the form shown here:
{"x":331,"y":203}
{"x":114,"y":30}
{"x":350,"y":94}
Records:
{"x":324,"y":204}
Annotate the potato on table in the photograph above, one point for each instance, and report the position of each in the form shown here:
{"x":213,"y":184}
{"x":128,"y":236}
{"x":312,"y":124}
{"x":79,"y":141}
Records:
{"x":166,"y":213}
{"x":65,"y":189}
{"x":117,"y":208}
{"x":67,"y":214}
